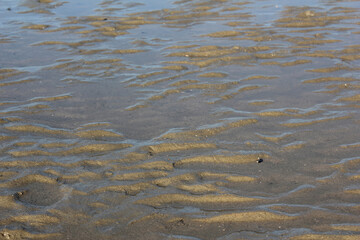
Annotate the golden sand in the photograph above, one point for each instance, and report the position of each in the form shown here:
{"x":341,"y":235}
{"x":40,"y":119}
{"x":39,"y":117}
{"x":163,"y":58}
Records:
{"x":355,"y":98}
{"x":218,"y":159}
{"x":273,"y":114}
{"x":224,"y":34}
{"x":260,"y":103}
{"x":39,"y":106}
{"x":168,"y":147}
{"x":213,"y":75}
{"x":183,"y":82}
{"x":199,"y":188}
{"x":245,"y":217}
{"x":32,"y":220}
{"x":7,"y":70}
{"x":324,"y":237}
{"x":156,"y":165}
{"x":64,"y":28}
{"x":351,"y":145}
{"x":182,"y":199}
{"x":134,"y":156}
{"x":147,"y":75}
{"x":8,"y":202}
{"x":29,"y":153}
{"x":175,"y":68}
{"x":182,"y":47}
{"x":3,"y":84}
{"x":296,"y":62}
{"x":94,"y":148}
{"x":354,"y":191}
{"x":36,"y":26}
{"x":249,"y":88}
{"x":175,"y":180}
{"x":31,"y":178}
{"x":23,"y":144}
{"x":35,"y":129}
{"x":78,"y":177}
{"x":140,"y":175}
{"x":201,"y":133}
{"x":212,"y":175}
{"x":352,"y":228}
{"x":22,"y":234}
{"x":240,"y":179}
{"x":98,"y":205}
{"x":255,"y":77}
{"x":330,"y":79}
{"x":7,"y":174}
{"x":97,"y":133}
{"x":88,"y":149}
{"x":55,"y":145}
{"x":7,"y":73}
{"x":355,"y":177}
{"x":329,"y":69}
{"x":33,"y":164}
{"x":131,"y":189}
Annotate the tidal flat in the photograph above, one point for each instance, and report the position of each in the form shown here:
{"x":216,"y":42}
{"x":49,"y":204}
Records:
{"x":203,"y":119}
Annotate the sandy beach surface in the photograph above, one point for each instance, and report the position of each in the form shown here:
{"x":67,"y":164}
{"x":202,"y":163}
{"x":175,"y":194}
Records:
{"x":180,"y":120}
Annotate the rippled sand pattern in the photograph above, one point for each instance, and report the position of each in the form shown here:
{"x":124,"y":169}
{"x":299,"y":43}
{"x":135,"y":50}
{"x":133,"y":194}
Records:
{"x":207,"y":119}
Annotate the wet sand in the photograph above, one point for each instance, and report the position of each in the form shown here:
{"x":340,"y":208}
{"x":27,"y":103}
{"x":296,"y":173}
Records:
{"x":147,"y":120}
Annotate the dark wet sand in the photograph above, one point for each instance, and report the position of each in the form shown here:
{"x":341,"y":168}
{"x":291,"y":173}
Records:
{"x":145,"y":120}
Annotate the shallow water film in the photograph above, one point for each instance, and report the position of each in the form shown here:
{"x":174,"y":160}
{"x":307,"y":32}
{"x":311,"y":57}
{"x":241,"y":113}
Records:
{"x":203,"y":119}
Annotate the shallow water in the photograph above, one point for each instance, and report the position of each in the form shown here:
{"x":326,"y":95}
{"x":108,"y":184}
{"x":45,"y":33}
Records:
{"x":145,"y":120}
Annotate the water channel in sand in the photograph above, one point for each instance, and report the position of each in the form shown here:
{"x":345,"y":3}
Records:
{"x":145,"y":120}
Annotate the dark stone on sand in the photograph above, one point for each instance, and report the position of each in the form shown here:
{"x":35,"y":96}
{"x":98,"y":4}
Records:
{"x":40,"y":194}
